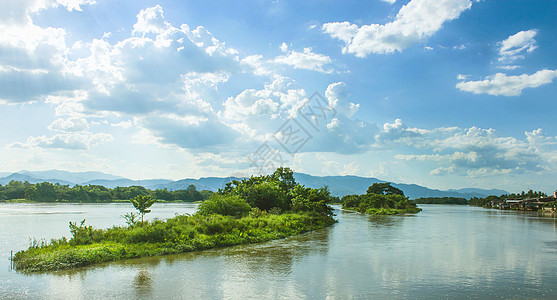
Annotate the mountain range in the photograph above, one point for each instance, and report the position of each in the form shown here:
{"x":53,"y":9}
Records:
{"x":338,"y":185}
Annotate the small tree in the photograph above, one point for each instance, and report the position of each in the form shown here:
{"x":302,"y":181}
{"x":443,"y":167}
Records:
{"x":142,"y":204}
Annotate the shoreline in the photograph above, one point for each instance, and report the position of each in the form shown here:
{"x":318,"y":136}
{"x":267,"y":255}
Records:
{"x":176,"y":235}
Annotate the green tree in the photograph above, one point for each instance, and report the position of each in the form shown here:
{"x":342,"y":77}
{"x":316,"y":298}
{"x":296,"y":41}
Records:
{"x":312,"y":200}
{"x":384,"y":189}
{"x":142,"y":204}
{"x":229,"y":205}
{"x":41,"y":192}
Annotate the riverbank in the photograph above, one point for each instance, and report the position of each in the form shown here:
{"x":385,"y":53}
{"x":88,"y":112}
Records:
{"x":183,"y":233}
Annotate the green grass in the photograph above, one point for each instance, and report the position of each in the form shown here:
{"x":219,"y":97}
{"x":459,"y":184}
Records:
{"x":182,"y":233}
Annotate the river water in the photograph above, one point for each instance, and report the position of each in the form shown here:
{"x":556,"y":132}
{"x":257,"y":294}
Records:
{"x":445,"y":251}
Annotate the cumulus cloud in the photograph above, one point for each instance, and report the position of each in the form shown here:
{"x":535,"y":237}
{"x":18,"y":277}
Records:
{"x":70,"y":141}
{"x":338,"y":96}
{"x":398,"y":132}
{"x":307,"y":59}
{"x":471,"y":151}
{"x":74,"y":124}
{"x":516,"y":45}
{"x":150,"y":20}
{"x":415,"y":21}
{"x":503,"y":85}
{"x":263,"y":110}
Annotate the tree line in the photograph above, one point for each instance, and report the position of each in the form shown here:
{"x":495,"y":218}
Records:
{"x":523,"y":195}
{"x":48,"y":192}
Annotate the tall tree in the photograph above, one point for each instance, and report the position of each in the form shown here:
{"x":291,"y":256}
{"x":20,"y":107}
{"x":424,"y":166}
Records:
{"x":142,"y":204}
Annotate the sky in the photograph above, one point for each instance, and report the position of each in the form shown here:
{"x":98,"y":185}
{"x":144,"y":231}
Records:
{"x":441,"y":93}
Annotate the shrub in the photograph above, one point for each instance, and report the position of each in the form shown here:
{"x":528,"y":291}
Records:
{"x":228,"y":205}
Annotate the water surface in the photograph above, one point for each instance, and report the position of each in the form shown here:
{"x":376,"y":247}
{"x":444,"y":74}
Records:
{"x":443,"y":252}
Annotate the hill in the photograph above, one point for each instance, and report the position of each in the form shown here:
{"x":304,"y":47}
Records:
{"x":338,"y":185}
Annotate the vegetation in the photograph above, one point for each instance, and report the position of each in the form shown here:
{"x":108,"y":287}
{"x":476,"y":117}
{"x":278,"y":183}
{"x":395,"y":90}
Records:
{"x":180,"y":234}
{"x":381,"y":199}
{"x":48,"y":192}
{"x":441,"y":200}
{"x":226,"y":205}
{"x":142,"y":204}
{"x":384,"y":189}
{"x":248,"y":211}
{"x":487,"y":201}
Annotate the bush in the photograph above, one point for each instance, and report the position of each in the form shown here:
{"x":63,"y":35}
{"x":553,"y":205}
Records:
{"x":227,"y":205}
{"x":379,"y":204}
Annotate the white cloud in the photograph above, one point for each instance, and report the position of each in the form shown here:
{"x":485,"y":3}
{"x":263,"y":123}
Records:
{"x":255,"y":107}
{"x":417,"y":20}
{"x":307,"y":60}
{"x":472,"y":151}
{"x":150,"y":20}
{"x":462,"y":77}
{"x":504,"y":85}
{"x":71,"y":141}
{"x":284,"y":47}
{"x":338,"y":96}
{"x":509,"y":67}
{"x":255,"y":62}
{"x":389,"y":1}
{"x":74,"y":124}
{"x":399,"y":133}
{"x":514,"y":46}
{"x":124,"y":124}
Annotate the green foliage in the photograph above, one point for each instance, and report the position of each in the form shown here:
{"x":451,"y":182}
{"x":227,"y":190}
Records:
{"x":252,"y":210}
{"x":441,"y":200}
{"x":142,"y":204}
{"x":265,"y":192}
{"x":131,"y":218}
{"x":312,"y":200}
{"x":48,"y":192}
{"x":227,"y":205}
{"x":384,"y":189}
{"x":41,"y":192}
{"x":83,"y":235}
{"x":182,"y":233}
{"x":380,"y":199}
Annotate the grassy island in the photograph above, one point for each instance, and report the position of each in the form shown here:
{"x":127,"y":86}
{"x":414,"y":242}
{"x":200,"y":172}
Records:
{"x":380,"y":199}
{"x":253,"y":210}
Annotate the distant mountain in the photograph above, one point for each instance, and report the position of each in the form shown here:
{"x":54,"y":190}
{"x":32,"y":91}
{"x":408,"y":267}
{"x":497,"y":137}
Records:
{"x":206,"y":183}
{"x":484,"y":192}
{"x":30,"y":179}
{"x":74,"y":177}
{"x":150,"y":184}
{"x":346,"y":185}
{"x":338,"y":185}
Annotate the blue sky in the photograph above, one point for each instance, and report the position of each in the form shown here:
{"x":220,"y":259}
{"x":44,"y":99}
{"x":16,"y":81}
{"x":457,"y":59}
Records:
{"x":442,"y":93}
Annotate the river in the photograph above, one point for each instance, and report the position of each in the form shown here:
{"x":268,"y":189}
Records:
{"x":443,"y":252}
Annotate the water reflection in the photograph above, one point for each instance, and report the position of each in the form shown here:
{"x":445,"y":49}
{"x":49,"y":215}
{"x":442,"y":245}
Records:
{"x":385,"y":221}
{"x":143,"y":283}
{"x":443,"y":252}
{"x":275,"y":257}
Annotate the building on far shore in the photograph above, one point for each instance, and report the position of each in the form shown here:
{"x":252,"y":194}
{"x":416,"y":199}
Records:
{"x":547,"y":204}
